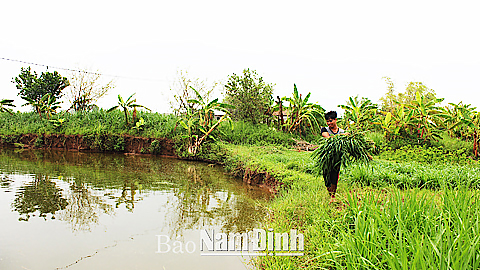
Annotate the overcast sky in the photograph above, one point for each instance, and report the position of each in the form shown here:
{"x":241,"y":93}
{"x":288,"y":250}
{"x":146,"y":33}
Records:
{"x":334,"y":49}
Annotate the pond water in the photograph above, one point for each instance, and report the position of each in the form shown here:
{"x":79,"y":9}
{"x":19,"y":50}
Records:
{"x":73,"y":210}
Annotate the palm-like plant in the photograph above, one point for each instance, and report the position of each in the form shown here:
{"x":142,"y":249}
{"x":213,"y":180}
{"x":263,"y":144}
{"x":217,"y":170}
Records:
{"x":427,"y":116}
{"x":48,"y":105}
{"x":396,"y":121}
{"x":469,"y":118}
{"x":302,"y":115}
{"x":126,"y":105}
{"x":453,"y":119}
{"x":200,"y":123}
{"x":4,"y":103}
{"x":206,"y":109}
{"x":358,"y":113}
{"x":473,"y":121}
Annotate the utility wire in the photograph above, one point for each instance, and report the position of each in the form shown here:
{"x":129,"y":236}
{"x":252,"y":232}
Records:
{"x":81,"y":71}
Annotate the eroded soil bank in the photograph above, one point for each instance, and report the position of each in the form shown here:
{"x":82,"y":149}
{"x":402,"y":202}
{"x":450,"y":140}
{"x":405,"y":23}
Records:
{"x":126,"y":144}
{"x":92,"y":143}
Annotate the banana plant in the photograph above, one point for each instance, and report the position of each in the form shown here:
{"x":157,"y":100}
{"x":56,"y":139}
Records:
{"x":139,"y":125}
{"x":427,"y":116}
{"x":396,"y":122}
{"x":358,"y":113}
{"x":453,"y":120}
{"x":199,"y":123}
{"x":403,"y":117}
{"x":469,"y":118}
{"x":206,"y":111}
{"x":302,"y":115}
{"x":473,"y":122}
{"x":4,"y":103}
{"x":57,"y":123}
{"x":50,"y":105}
{"x":126,"y":105}
{"x":47,"y":105}
{"x":390,"y":129}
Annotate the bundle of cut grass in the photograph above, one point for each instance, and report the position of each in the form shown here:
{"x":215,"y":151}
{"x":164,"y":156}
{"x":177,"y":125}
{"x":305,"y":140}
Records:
{"x":341,"y":150}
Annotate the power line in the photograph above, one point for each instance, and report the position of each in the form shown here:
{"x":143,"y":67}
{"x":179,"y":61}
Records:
{"x":81,"y":71}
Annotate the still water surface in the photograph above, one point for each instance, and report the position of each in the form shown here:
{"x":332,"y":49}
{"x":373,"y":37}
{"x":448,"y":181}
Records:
{"x":72,"y":210}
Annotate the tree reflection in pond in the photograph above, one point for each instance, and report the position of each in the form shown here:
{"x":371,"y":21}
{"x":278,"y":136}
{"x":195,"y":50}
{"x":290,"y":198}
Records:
{"x":41,"y":195}
{"x":5,"y":181}
{"x":129,"y":200}
{"x":84,"y":207}
{"x":201,"y":204}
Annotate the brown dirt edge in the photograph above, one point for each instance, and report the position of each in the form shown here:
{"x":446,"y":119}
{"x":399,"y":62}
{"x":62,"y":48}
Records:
{"x":258,"y":178}
{"x":134,"y":146}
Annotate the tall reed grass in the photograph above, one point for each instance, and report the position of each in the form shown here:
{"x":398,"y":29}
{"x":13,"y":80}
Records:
{"x":380,"y":229}
{"x":409,"y":230}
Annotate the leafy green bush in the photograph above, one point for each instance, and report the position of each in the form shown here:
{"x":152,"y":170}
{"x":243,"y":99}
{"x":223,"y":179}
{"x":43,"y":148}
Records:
{"x":454,"y":144}
{"x":426,"y":154}
{"x":250,"y":95}
{"x":155,"y":147}
{"x":379,"y":140}
{"x":39,"y":142}
{"x":105,"y":142}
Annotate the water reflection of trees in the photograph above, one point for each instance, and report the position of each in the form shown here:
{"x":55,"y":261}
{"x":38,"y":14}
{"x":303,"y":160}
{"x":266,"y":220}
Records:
{"x":40,"y":195}
{"x":84,"y":207}
{"x":81,"y":207}
{"x":5,"y":181}
{"x":202,"y":204}
{"x":125,"y":197}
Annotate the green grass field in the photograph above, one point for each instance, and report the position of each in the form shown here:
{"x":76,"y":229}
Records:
{"x":388,"y":215}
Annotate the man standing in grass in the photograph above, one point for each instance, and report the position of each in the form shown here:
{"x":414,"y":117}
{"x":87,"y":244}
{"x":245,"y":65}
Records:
{"x":331,"y":178}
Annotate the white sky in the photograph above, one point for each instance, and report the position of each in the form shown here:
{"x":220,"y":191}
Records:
{"x":334,"y":49}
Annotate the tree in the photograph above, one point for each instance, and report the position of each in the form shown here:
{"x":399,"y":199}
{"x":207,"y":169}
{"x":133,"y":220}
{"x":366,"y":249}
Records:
{"x":392,"y":99}
{"x":183,"y":89}
{"x":302,"y":115}
{"x":35,"y":87}
{"x":47,"y":104}
{"x":472,"y":120}
{"x":4,"y":103}
{"x":466,"y":116}
{"x":250,"y":95}
{"x":359,"y":113}
{"x":86,"y":89}
{"x":397,"y":122}
{"x":126,"y":105}
{"x":201,"y":121}
{"x":426,"y":116}
{"x":454,"y":115}
{"x":413,"y":111}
